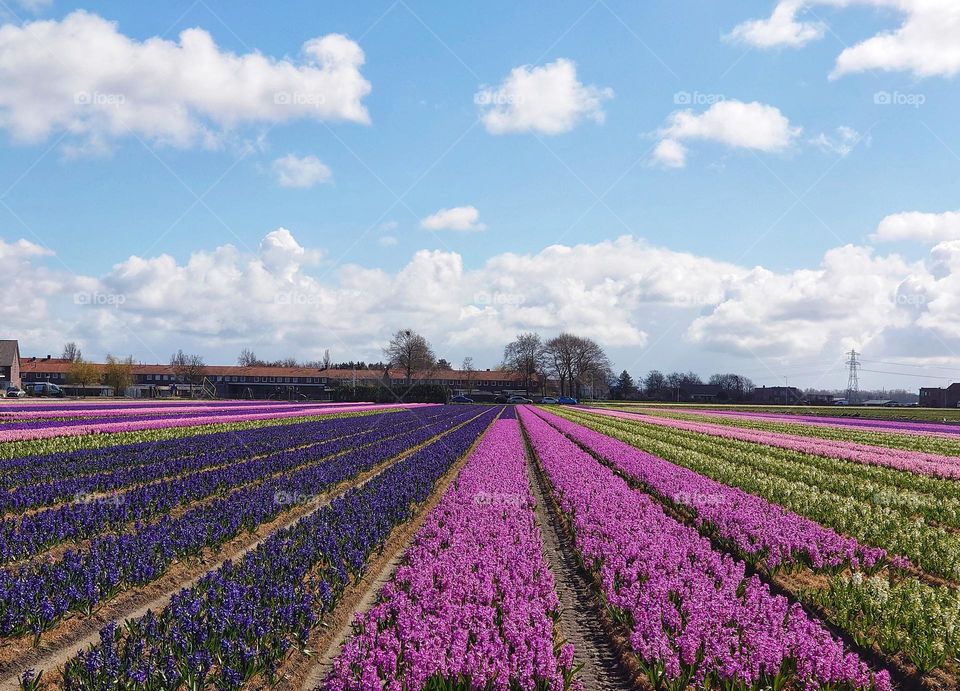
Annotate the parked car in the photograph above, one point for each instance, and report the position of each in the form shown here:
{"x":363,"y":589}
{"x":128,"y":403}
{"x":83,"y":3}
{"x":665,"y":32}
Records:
{"x":549,"y":399}
{"x":518,"y":399}
{"x":14,"y":392}
{"x":461,"y":399}
{"x":46,"y":389}
{"x":500,"y":399}
{"x":567,"y":400}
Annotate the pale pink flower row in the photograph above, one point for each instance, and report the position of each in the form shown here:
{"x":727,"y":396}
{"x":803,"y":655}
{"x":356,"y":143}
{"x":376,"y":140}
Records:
{"x":911,"y":461}
{"x":693,"y":613}
{"x":473,"y":600}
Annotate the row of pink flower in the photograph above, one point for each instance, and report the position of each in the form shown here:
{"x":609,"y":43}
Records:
{"x":115,"y":409}
{"x":912,"y":461}
{"x":755,"y":526}
{"x":473,"y":602}
{"x":695,"y":617}
{"x":161,"y":423}
{"x":924,"y":429}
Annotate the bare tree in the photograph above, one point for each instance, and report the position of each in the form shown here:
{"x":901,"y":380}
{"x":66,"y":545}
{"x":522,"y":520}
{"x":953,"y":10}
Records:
{"x":190,"y":367}
{"x":575,"y":360}
{"x":248,"y":358}
{"x":468,"y":369}
{"x":71,"y":352}
{"x":409,"y":351}
{"x":327,"y":362}
{"x":525,"y":356}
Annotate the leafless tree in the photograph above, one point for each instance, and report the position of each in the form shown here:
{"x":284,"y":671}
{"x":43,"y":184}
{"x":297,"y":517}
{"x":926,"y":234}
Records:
{"x":410,"y":352}
{"x":468,"y":370}
{"x":525,"y":356}
{"x":71,"y":352}
{"x":575,"y":360}
{"x":248,"y":358}
{"x":190,"y":367}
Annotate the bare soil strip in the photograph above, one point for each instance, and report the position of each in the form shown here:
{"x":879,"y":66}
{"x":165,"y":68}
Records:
{"x":582,"y":620}
{"x":77,"y":633}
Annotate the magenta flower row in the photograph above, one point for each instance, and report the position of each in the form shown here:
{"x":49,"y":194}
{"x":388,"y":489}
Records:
{"x":695,"y":617}
{"x":473,"y":603}
{"x":900,"y":459}
{"x":765,"y":532}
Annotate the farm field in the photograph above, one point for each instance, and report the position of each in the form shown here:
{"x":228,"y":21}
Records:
{"x":359,"y":546}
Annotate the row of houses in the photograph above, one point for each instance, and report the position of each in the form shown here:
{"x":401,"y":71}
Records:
{"x":232,"y":381}
{"x":949,"y":397}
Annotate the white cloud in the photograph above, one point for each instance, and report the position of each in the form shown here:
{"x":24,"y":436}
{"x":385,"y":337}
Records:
{"x":925,"y":43}
{"x":294,"y":171}
{"x":460,"y":218}
{"x":732,"y":123}
{"x":841,"y":143}
{"x":183,"y":93}
{"x":387,"y":241}
{"x":918,"y":226}
{"x":782,"y":28}
{"x":548,"y":100}
{"x":35,"y":5}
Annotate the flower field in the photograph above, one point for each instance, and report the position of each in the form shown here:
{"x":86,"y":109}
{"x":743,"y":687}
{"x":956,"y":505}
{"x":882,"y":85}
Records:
{"x":231,"y":545}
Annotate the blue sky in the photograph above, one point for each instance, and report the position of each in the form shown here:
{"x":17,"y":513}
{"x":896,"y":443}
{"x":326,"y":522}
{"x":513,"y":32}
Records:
{"x":755,"y":248}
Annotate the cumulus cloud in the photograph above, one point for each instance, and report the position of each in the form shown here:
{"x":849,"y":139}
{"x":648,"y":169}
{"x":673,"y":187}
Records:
{"x":294,"y":171}
{"x":924,"y":43}
{"x":621,"y":292}
{"x":460,"y":218}
{"x":547,"y":100}
{"x":732,"y":123}
{"x":918,"y":226}
{"x":184,"y":93}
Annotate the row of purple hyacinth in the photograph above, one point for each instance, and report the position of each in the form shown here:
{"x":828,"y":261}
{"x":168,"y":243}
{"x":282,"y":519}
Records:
{"x":34,"y":597}
{"x":473,"y":599}
{"x":762,"y":532}
{"x":152,"y":462}
{"x":694,"y":616}
{"x":211,"y":636}
{"x":27,"y":535}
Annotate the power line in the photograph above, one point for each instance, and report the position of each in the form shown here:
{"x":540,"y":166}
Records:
{"x":904,"y":374}
{"x":907,"y":364}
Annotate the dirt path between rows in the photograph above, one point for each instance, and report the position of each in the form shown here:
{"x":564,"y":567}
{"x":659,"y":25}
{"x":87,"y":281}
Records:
{"x":76,"y":633}
{"x":581,"y":618}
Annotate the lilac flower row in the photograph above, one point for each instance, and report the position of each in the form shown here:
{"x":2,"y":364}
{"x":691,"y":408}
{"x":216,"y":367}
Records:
{"x":898,"y":426}
{"x":204,"y":451}
{"x":474,"y":600}
{"x":94,"y":427}
{"x":900,"y":459}
{"x":239,"y":621}
{"x":695,"y":617}
{"x":34,"y":412}
{"x":762,"y":532}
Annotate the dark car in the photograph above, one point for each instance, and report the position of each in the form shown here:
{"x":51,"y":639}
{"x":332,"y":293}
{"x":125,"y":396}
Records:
{"x":461,"y":399}
{"x":46,"y":389}
{"x":567,"y":400}
{"x":14,"y":392}
{"x":500,"y":399}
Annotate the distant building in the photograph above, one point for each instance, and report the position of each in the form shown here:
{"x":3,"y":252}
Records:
{"x":777,"y":395}
{"x":233,"y":381}
{"x":931,"y":397}
{"x":9,"y":364}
